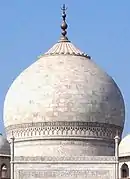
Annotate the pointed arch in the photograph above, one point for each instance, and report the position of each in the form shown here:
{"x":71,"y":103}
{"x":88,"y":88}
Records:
{"x":124,"y":171}
{"x":3,"y":171}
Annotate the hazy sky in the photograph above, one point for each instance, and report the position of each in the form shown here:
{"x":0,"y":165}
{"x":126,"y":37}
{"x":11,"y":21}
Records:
{"x":100,"y":28}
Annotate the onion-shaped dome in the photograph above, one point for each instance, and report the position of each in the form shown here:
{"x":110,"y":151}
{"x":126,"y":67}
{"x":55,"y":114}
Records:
{"x":124,"y":147}
{"x":65,"y":94}
{"x":4,"y":146}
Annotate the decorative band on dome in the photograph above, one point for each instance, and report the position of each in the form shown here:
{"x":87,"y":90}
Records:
{"x":65,"y":48}
{"x":71,"y":130}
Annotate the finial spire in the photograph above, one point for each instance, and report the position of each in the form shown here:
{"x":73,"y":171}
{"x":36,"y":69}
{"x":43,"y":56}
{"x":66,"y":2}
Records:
{"x":64,"y":24}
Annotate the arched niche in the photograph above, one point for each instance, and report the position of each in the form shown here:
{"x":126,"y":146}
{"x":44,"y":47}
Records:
{"x":4,"y":171}
{"x":124,"y":171}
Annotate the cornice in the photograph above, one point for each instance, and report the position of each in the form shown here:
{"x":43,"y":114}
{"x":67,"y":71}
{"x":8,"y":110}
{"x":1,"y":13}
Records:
{"x":64,"y":129}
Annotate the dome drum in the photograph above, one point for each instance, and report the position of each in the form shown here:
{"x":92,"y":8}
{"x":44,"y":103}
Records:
{"x":63,"y":147}
{"x":98,"y":135}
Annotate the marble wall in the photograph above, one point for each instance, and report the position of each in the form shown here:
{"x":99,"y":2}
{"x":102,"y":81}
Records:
{"x":91,"y":169}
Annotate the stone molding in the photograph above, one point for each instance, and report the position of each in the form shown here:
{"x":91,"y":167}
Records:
{"x":124,"y":159}
{"x":64,"y":129}
{"x":5,"y":156}
{"x":49,"y":158}
{"x":68,"y":173}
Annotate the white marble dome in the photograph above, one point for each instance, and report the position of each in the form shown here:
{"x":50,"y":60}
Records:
{"x":124,"y":147}
{"x":64,"y":85}
{"x":4,"y":146}
{"x":64,"y":95}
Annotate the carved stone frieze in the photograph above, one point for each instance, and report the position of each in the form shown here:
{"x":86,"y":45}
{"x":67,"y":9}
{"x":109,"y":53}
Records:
{"x":73,"y":158}
{"x":64,"y":129}
{"x":82,"y":173}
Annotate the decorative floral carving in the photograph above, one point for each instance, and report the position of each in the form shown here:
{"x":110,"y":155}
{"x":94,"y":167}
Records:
{"x":64,"y":129}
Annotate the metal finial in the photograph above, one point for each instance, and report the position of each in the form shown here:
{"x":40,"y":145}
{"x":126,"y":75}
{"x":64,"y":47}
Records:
{"x":64,"y":24}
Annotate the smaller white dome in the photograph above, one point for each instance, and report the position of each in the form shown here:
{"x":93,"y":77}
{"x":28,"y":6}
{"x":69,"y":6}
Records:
{"x":4,"y":146}
{"x":124,"y":146}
